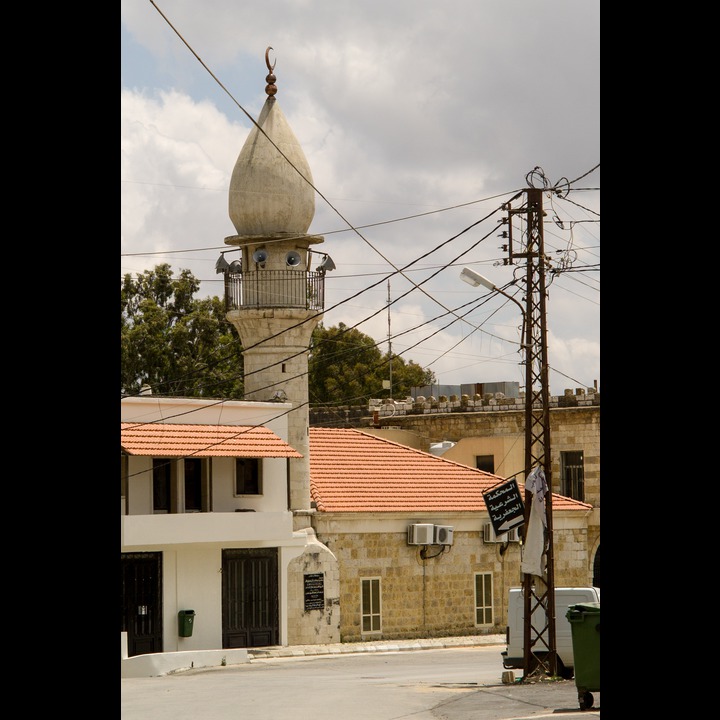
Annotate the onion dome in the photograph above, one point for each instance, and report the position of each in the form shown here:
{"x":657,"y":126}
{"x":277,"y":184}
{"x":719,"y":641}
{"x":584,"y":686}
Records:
{"x":268,"y":196}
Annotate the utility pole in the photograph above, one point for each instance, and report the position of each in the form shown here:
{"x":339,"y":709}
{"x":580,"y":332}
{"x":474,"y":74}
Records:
{"x":538,"y":591}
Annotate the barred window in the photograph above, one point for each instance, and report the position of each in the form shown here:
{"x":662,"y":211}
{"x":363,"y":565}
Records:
{"x":572,"y":474}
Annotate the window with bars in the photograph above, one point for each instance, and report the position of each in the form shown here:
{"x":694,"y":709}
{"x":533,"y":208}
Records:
{"x":370,"y":610}
{"x":483,"y":599}
{"x":572,"y":474}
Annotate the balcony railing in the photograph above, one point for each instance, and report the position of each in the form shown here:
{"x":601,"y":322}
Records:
{"x":275,"y":288}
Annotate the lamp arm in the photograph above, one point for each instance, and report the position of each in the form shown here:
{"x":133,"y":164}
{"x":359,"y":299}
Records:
{"x":522,"y":310}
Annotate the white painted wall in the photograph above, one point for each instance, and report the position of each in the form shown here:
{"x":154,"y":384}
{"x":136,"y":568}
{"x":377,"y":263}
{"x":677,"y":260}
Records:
{"x":197,"y":411}
{"x":272,"y":499}
{"x":274,"y":487}
{"x":192,"y":580}
{"x":192,"y":543}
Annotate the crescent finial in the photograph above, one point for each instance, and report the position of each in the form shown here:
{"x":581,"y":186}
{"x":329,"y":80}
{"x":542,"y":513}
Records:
{"x":270,"y":88}
{"x":267,"y":59}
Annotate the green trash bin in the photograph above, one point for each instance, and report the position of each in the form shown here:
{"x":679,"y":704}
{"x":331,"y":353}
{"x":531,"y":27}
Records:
{"x":186,"y":618}
{"x":584,"y":619}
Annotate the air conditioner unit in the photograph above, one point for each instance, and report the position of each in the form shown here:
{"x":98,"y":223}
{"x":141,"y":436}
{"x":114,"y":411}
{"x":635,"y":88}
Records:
{"x":444,"y":534}
{"x":420,"y":534}
{"x":489,"y":535}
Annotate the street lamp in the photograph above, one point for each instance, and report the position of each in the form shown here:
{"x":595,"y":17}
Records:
{"x":475,"y":279}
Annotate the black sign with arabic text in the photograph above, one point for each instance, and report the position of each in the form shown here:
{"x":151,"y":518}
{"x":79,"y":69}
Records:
{"x":314,"y":591}
{"x":506,"y":507}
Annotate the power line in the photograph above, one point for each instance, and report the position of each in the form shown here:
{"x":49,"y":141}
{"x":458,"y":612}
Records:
{"x":564,"y":183}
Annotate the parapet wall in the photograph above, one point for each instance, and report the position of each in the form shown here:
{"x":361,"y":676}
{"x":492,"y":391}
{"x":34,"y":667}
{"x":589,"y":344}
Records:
{"x":490,"y":402}
{"x":383,"y":408}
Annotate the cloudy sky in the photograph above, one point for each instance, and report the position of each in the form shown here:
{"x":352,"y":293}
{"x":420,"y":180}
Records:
{"x":419,"y":119}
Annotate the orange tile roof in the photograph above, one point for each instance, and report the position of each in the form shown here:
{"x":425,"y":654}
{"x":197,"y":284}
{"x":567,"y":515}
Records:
{"x":353,"y":471}
{"x":173,"y":440}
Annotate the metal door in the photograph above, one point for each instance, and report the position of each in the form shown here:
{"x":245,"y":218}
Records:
{"x":250,"y":597}
{"x":141,"y":602}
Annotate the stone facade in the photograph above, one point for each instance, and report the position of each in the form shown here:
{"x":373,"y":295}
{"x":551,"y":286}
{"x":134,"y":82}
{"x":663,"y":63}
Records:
{"x":571,"y":428}
{"x":313,"y":626}
{"x":429,"y":591}
{"x":495,"y":425}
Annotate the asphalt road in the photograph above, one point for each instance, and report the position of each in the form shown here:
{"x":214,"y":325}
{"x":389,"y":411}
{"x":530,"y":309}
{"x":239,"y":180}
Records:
{"x":463,"y":683}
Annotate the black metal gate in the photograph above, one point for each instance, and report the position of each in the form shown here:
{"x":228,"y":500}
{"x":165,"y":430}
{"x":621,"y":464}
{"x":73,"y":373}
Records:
{"x":250,"y":597}
{"x":141,"y":602}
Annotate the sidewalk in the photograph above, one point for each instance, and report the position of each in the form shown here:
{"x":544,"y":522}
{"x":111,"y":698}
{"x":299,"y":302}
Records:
{"x":375,"y":646}
{"x":153,"y":664}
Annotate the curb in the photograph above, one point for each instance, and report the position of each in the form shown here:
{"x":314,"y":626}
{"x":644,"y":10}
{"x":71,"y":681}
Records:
{"x":372,"y":647}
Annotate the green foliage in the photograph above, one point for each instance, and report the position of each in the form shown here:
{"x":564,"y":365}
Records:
{"x":185,"y":347}
{"x":179,"y":345}
{"x":347,"y":367}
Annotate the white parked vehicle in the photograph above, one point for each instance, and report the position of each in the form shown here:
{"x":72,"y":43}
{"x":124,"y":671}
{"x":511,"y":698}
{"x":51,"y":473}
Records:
{"x":514,"y":654}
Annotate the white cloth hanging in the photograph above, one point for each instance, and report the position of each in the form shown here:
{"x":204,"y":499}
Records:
{"x":532,"y":556}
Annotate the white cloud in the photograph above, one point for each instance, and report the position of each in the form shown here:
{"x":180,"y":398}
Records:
{"x":402,"y":109}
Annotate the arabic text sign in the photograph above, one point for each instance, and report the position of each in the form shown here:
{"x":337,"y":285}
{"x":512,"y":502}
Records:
{"x":505,"y":505}
{"x":314,"y":591}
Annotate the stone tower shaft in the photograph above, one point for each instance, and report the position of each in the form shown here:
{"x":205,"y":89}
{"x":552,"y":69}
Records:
{"x":272,"y":296}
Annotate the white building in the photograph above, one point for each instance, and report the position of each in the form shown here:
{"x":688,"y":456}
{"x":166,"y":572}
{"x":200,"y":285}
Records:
{"x":206,"y":527}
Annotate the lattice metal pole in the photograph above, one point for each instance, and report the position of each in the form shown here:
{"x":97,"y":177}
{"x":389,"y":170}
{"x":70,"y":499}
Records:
{"x":539,"y":592}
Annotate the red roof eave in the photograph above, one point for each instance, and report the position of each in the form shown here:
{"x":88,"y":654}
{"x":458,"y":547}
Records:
{"x":176,"y":440}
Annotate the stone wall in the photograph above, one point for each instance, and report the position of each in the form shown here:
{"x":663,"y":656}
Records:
{"x":574,"y":425}
{"x":314,"y":626}
{"x":435,"y":596}
{"x":571,"y":428}
{"x":382,"y":409}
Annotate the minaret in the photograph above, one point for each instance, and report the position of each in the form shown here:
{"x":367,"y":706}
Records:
{"x":272,"y":297}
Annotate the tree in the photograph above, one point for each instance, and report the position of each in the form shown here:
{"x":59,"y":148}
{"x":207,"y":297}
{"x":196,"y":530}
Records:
{"x":182,"y":346}
{"x":176,"y":344}
{"x":347,"y":367}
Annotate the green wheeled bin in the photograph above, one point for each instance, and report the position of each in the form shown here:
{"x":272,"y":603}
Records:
{"x":584,"y":619}
{"x":185,"y":623}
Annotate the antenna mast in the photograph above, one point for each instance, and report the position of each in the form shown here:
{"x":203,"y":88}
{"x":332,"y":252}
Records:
{"x":389,"y":338}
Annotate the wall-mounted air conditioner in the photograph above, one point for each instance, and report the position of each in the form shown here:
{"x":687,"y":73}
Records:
{"x":489,"y":535}
{"x":421,"y":534}
{"x":444,"y":534}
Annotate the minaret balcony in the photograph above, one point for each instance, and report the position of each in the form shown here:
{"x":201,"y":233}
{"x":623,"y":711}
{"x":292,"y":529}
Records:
{"x":275,"y":288}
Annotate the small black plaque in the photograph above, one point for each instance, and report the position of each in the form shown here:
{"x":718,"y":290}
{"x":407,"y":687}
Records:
{"x":314,"y":591}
